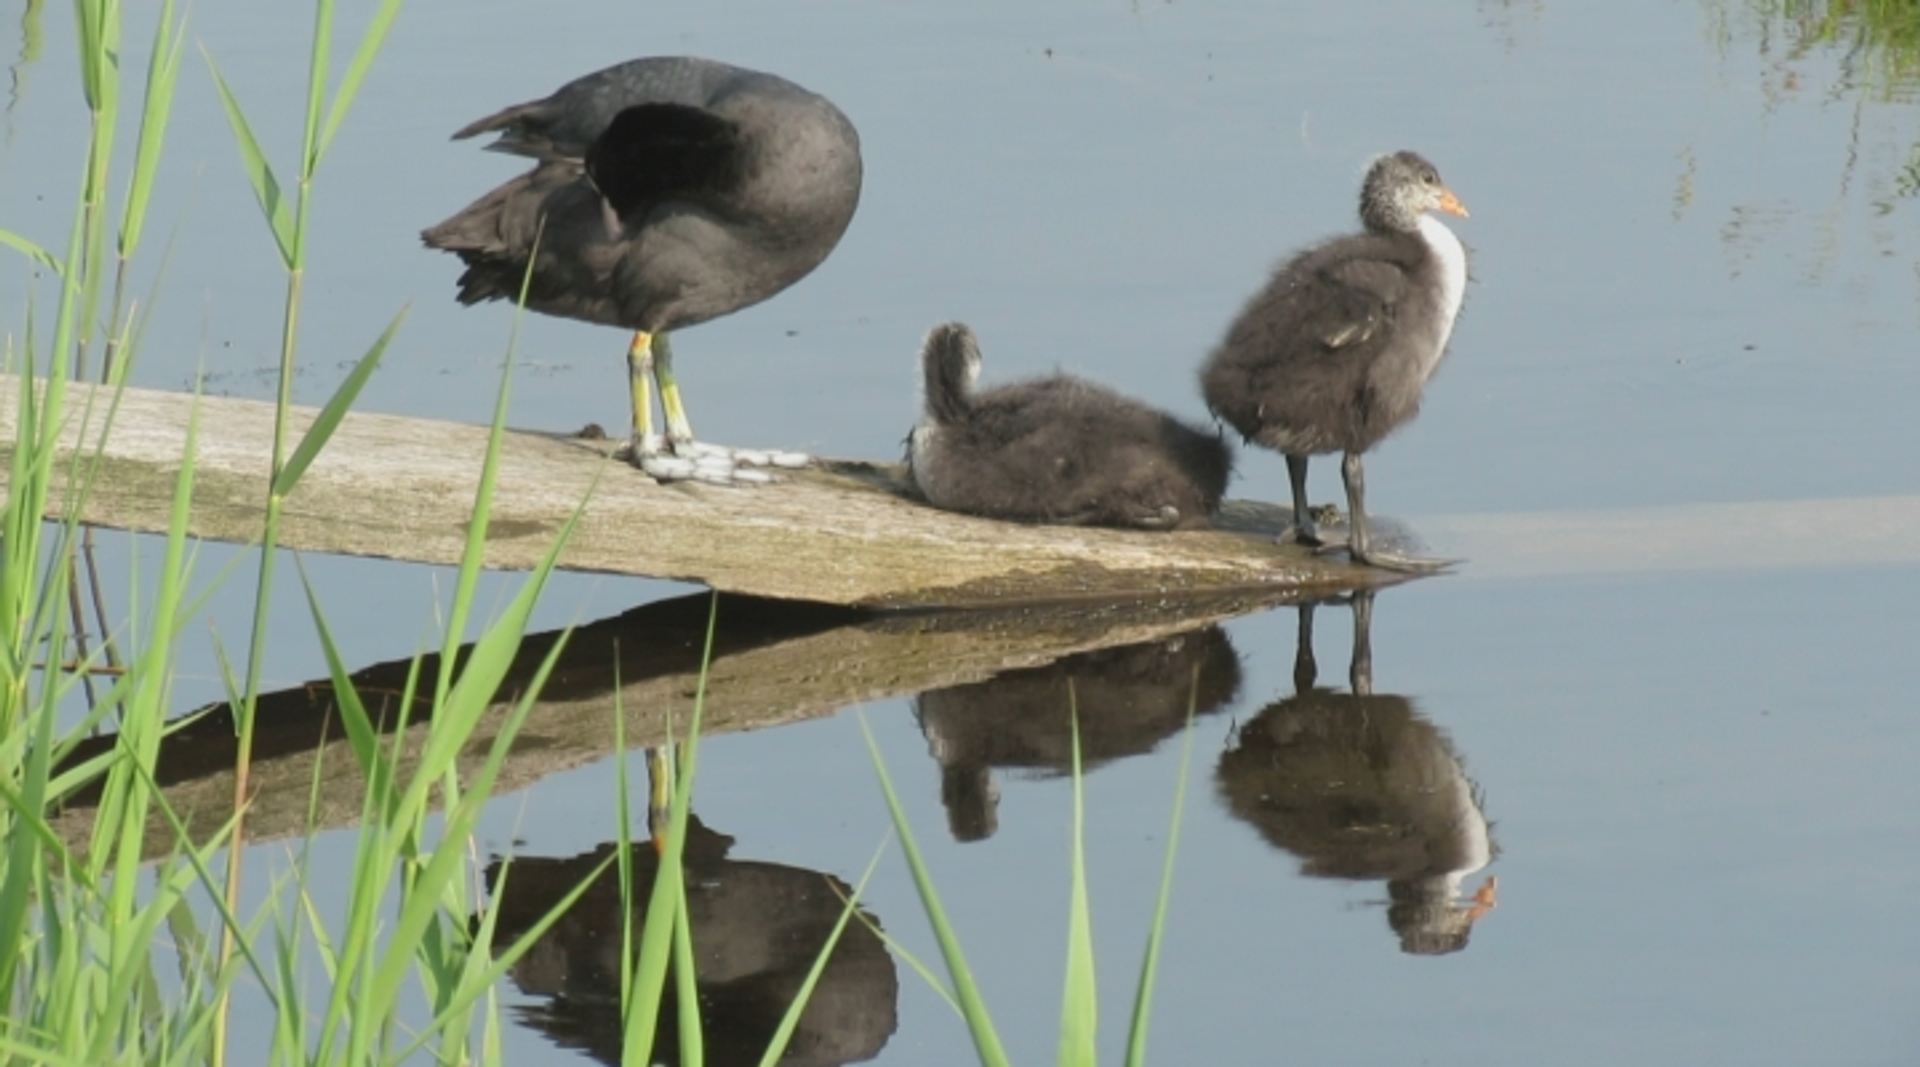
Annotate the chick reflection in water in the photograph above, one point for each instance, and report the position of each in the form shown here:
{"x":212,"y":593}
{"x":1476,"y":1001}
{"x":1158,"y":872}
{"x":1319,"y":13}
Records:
{"x":757,"y":929}
{"x":1128,"y":698}
{"x":1361,"y":786}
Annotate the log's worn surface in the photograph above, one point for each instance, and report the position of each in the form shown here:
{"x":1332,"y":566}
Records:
{"x":773,"y":662}
{"x":842,"y":533}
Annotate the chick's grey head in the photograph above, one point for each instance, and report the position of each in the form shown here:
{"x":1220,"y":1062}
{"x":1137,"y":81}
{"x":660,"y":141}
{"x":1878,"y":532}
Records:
{"x":1399,"y":188}
{"x":952,"y":348}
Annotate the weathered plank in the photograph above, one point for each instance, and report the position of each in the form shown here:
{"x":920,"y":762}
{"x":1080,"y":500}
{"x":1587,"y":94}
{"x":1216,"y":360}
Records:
{"x":842,"y":533}
{"x":773,"y":662}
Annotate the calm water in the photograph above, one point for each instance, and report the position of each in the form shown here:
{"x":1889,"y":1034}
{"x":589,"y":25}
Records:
{"x":1694,"y":242}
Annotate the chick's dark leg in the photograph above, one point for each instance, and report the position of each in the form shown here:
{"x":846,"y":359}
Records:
{"x":1360,"y":667}
{"x":1305,"y":671}
{"x":1358,"y":545}
{"x":1304,"y":531}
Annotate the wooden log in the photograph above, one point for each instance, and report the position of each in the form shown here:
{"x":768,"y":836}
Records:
{"x":841,"y":533}
{"x":774,"y":662}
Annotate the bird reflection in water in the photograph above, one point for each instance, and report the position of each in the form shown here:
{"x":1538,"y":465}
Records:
{"x":1128,"y":698}
{"x":1361,"y":786}
{"x":757,"y":929}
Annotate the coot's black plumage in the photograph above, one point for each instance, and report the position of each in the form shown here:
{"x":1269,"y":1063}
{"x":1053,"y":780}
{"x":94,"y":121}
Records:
{"x":1056,"y":450}
{"x":667,"y":192}
{"x":1333,"y":354}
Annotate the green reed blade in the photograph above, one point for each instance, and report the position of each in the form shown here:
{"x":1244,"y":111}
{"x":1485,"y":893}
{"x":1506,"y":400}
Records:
{"x":686,"y":980}
{"x":1136,"y":1055}
{"x":266,"y":188}
{"x":783,"y":1033}
{"x":322,"y":44}
{"x":163,"y":67}
{"x":336,"y":407}
{"x":32,"y":251}
{"x":1079,"y":1016}
{"x":370,"y":42}
{"x":482,"y":978}
{"x":444,"y":862}
{"x":99,"y":41}
{"x":986,"y":1042}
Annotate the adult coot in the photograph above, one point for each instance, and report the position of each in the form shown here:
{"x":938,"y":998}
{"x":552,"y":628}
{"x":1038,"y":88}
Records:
{"x":1056,"y":450}
{"x":1332,"y":355}
{"x":666,"y":192}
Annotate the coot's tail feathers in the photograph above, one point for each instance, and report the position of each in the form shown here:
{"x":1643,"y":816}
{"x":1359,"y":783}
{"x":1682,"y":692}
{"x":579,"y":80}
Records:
{"x":478,"y":226}
{"x":488,"y":278}
{"x":477,"y":236}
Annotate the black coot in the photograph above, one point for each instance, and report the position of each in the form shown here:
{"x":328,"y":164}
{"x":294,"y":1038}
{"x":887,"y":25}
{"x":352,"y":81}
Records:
{"x":666,"y":192}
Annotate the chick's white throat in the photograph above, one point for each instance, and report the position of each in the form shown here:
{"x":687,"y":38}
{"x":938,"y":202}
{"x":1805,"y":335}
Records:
{"x":1452,"y":257}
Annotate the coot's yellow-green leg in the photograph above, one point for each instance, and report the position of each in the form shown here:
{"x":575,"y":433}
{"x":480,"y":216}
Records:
{"x":675,"y":455}
{"x":640,"y":369}
{"x":659,"y":795}
{"x":679,"y":429}
{"x":650,"y":367}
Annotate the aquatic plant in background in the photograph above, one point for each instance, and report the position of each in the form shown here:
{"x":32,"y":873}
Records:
{"x":1079,"y":1015}
{"x":83,"y":972}
{"x":77,"y":970}
{"x":1877,"y":42}
{"x":1860,"y":54}
{"x":106,"y":958}
{"x":288,"y":227}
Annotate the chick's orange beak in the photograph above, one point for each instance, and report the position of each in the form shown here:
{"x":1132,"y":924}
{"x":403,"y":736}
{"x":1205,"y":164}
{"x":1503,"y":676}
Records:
{"x":1451,"y":204}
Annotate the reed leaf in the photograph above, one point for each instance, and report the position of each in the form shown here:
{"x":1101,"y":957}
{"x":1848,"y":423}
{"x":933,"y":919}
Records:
{"x":1136,"y":1054}
{"x":973,"y":1008}
{"x":370,"y":41}
{"x":335,"y":409}
{"x":163,"y":68}
{"x":32,"y":251}
{"x":790,"y":1020}
{"x":1079,"y":1015}
{"x":253,"y":160}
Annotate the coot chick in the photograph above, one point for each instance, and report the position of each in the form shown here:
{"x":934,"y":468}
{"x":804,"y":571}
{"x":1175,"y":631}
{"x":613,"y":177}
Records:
{"x":1332,"y":355}
{"x":667,"y":191}
{"x":1056,"y":450}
